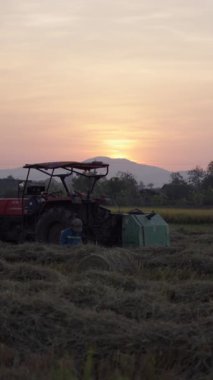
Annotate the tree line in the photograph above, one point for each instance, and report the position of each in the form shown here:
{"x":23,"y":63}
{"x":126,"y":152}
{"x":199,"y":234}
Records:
{"x":124,"y":190}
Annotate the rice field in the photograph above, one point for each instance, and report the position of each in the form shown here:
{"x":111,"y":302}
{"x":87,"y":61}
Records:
{"x":149,"y":315}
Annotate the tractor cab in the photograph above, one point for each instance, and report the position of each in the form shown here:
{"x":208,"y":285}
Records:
{"x":52,"y":204}
{"x":62,"y":172}
{"x":57,"y":184}
{"x":43,"y":208}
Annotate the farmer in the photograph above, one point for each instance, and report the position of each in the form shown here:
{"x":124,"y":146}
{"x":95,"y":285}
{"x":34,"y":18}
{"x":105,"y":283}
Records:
{"x":71,"y":236}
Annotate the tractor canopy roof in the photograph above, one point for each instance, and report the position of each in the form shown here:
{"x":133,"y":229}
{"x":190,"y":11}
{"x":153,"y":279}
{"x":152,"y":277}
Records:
{"x":93,"y":171}
{"x":92,"y":168}
{"x":68,"y":165}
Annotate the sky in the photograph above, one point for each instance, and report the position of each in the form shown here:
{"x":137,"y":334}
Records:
{"x":117,"y":78}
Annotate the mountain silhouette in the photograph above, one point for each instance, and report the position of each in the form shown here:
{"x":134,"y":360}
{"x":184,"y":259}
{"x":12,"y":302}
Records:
{"x":143,"y":173}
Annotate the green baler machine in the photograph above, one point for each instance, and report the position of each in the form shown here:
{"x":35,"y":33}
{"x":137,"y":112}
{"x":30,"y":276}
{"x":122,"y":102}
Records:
{"x":144,"y":230}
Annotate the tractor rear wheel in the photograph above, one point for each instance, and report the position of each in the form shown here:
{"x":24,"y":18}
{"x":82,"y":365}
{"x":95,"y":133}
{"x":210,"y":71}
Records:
{"x":51,"y":223}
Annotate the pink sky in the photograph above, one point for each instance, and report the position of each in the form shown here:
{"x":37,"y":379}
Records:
{"x":86,"y":78}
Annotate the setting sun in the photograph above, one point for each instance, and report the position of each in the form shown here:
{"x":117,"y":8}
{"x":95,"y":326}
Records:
{"x":119,"y":148}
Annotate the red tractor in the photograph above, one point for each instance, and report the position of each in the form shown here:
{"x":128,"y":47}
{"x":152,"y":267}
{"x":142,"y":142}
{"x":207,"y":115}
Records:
{"x":38,"y":214}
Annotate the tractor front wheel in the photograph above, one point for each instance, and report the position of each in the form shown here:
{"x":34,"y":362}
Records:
{"x":51,"y":223}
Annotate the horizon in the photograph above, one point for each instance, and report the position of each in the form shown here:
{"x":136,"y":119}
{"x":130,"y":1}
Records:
{"x":107,"y":157}
{"x":116,"y":78}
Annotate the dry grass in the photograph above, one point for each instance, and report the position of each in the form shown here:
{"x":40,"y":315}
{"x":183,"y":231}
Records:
{"x":148,"y":316}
